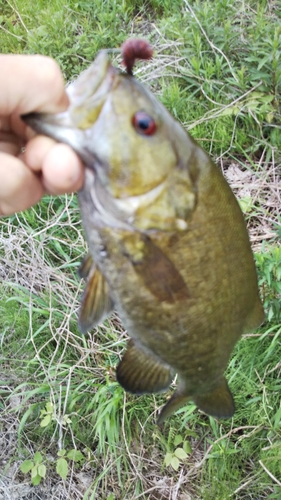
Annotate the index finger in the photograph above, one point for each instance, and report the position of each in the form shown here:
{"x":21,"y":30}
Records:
{"x":31,"y":83}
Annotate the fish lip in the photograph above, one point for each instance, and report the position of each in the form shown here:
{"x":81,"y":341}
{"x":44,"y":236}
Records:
{"x":86,"y":94}
{"x":44,"y":122}
{"x":60,"y":128}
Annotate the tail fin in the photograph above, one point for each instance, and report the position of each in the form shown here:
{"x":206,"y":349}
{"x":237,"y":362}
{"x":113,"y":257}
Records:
{"x":216,"y":403}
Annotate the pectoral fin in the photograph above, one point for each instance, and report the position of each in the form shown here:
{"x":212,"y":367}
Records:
{"x":140,"y":373}
{"x":216,"y":403}
{"x":96,"y":302}
{"x":155,"y":269}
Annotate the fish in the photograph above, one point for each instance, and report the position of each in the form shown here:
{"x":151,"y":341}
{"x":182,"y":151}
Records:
{"x":168,"y":245}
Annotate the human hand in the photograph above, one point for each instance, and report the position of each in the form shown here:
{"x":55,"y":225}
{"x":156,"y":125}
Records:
{"x":32,"y":83}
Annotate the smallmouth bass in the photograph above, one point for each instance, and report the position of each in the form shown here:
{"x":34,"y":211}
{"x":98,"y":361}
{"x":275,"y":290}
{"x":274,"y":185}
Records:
{"x":168,"y":245}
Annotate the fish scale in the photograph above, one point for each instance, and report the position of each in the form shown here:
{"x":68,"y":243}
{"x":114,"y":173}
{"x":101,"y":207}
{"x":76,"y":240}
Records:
{"x":169,"y":248}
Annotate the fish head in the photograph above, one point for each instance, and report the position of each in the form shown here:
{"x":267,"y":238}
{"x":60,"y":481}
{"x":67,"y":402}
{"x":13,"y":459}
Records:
{"x":122,"y":133}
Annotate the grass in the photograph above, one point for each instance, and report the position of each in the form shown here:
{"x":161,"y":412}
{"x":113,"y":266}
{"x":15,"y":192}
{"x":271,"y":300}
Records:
{"x":217,"y":69}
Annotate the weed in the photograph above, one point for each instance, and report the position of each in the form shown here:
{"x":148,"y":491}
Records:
{"x":35,"y":467}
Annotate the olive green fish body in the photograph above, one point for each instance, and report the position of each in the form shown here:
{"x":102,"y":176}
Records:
{"x":195,"y":333}
{"x":168,"y":243}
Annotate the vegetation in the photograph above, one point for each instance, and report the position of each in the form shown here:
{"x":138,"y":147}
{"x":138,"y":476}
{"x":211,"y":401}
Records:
{"x":67,"y":427}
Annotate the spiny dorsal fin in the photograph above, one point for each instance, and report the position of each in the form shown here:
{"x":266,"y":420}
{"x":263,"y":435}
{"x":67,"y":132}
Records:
{"x":217,"y":403}
{"x":96,"y":302}
{"x":140,"y":373}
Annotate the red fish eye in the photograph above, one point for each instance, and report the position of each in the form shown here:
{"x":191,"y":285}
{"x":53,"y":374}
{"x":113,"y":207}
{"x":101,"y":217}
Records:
{"x":144,"y":123}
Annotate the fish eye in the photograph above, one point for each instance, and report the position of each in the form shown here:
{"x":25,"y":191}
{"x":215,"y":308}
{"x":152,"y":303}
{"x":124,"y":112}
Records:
{"x":144,"y":123}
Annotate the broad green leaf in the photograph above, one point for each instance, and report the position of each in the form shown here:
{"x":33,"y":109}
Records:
{"x":42,"y":470}
{"x":49,"y":407}
{"x":62,"y":467}
{"x":61,"y":453}
{"x":46,"y":420}
{"x":175,"y":463}
{"x":26,"y":466}
{"x":168,"y":458}
{"x":38,"y":457}
{"x":246,"y":204}
{"x":178,"y":439}
{"x":231,"y":110}
{"x":180,"y":453}
{"x":267,"y":98}
{"x":34,"y":471}
{"x":269,"y":117}
{"x":277,"y":419}
{"x":36,"y":480}
{"x":75,"y":455}
{"x":191,"y":433}
{"x":41,"y":31}
{"x":187,"y":447}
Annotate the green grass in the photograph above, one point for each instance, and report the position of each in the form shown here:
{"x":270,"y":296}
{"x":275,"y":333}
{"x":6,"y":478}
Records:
{"x":217,"y":69}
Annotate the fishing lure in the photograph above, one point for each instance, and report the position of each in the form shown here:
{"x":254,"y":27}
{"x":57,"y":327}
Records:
{"x":133,"y":49}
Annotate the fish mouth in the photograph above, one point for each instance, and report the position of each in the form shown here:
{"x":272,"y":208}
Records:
{"x":60,"y":128}
{"x":86,"y":95}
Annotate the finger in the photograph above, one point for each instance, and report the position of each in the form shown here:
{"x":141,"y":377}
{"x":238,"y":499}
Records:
{"x":36,"y":150}
{"x":9,"y":143}
{"x":20,"y":188}
{"x":62,"y":170}
{"x":31,"y":83}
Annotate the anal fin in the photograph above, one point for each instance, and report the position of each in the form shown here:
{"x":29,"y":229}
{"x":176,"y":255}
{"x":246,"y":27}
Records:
{"x":96,"y":302}
{"x":140,"y":373}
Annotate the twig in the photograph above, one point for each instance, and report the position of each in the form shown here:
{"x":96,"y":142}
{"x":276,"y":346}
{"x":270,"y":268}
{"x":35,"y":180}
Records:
{"x":220,"y":111}
{"x":232,"y":431}
{"x":243,"y":485}
{"x":269,"y":473}
{"x":18,"y":14}
{"x":12,"y":34}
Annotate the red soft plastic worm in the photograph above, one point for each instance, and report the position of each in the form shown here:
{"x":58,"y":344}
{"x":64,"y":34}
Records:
{"x":133,"y":49}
